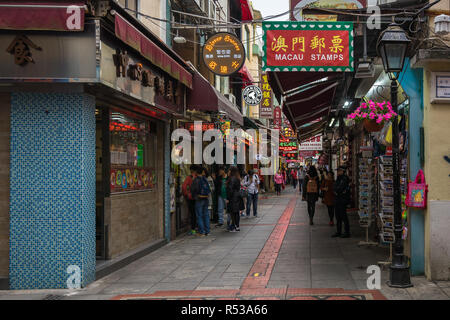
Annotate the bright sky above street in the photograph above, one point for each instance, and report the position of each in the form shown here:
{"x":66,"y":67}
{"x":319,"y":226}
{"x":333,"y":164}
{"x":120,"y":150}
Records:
{"x":272,"y":7}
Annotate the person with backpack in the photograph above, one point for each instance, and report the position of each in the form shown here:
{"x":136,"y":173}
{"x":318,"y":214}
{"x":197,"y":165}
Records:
{"x":186,"y":190}
{"x":200,"y":193}
{"x":311,"y":192}
{"x":251,"y":182}
{"x":342,"y":199}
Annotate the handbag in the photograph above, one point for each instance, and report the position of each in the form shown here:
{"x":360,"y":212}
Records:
{"x":416,"y":196}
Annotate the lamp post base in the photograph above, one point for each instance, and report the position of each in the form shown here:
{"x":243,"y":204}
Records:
{"x":399,"y":277}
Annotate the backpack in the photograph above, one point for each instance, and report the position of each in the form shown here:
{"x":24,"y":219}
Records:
{"x":311,"y":186}
{"x":204,"y":189}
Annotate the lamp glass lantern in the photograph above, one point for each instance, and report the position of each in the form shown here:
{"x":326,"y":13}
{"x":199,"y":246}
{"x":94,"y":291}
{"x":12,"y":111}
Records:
{"x":392,"y":47}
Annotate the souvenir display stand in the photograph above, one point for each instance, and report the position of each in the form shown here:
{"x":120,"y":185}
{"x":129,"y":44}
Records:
{"x":367,"y":195}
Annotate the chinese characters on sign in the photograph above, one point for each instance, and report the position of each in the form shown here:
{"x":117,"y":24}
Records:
{"x":277,"y":117}
{"x":223,"y":54}
{"x":312,"y":144}
{"x":20,"y":48}
{"x":203,"y":127}
{"x":265,"y":109}
{"x":308,"y":46}
{"x":167,"y":88}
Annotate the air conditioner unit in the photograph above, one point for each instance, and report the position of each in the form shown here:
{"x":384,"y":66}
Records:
{"x":231,"y":97}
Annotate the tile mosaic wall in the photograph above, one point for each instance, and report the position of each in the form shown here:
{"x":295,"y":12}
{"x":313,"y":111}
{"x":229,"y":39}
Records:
{"x":52,"y":189}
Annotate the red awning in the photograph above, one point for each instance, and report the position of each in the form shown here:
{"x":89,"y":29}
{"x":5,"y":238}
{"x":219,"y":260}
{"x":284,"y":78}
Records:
{"x":134,"y":38}
{"x":65,"y":16}
{"x":246,"y":11}
{"x":308,"y":97}
{"x":204,"y":97}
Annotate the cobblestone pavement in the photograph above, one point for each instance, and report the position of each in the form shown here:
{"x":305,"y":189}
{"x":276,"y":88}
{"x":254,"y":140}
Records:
{"x":275,"y":256}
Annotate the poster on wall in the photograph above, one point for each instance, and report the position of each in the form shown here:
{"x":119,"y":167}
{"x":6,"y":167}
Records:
{"x":131,"y":179}
{"x":308,"y":46}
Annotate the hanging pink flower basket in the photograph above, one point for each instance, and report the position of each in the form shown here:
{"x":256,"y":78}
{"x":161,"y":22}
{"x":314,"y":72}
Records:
{"x":372,"y":125}
{"x":373,"y":115}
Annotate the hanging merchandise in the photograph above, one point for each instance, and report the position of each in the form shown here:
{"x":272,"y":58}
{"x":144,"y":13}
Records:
{"x":386,"y":196}
{"x":416,"y":196}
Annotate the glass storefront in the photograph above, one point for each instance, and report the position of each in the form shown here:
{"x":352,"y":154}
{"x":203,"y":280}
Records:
{"x":133,"y":147}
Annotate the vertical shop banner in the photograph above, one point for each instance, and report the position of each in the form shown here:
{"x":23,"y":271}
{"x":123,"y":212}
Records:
{"x":277,"y":117}
{"x":297,"y":14}
{"x":308,"y":46}
{"x":266,"y":107}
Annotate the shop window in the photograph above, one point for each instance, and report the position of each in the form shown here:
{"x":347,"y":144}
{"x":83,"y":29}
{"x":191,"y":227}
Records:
{"x":133,"y":150}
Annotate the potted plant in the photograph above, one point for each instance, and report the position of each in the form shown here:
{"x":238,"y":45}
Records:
{"x":373,"y":115}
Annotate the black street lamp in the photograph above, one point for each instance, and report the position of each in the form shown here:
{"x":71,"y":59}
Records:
{"x":392,"y":46}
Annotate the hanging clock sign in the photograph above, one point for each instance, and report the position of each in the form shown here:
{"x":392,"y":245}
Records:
{"x":252,"y":95}
{"x":223,"y":54}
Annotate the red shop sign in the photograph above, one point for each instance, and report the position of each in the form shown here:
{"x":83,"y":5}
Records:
{"x":308,"y":46}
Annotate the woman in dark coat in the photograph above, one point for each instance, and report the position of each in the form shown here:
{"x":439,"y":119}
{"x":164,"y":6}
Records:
{"x":235,"y":201}
{"x":328,"y":198}
{"x":311,"y":191}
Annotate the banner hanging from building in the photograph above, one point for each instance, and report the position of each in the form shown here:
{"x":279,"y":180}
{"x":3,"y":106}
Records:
{"x":277,"y":117}
{"x":308,"y":46}
{"x":266,"y":107}
{"x":312,"y":144}
{"x":296,"y":7}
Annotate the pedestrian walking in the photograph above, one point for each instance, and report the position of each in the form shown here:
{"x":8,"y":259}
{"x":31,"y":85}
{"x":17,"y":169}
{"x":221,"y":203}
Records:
{"x":200,"y":193}
{"x":235,"y":201}
{"x":186,"y":190}
{"x":301,"y":177}
{"x":251,"y":182}
{"x":221,"y":191}
{"x":278,"y":179}
{"x":244,"y":193}
{"x":342,"y":199}
{"x":210,"y":180}
{"x":311,"y":192}
{"x":294,"y":178}
{"x":327,"y":188}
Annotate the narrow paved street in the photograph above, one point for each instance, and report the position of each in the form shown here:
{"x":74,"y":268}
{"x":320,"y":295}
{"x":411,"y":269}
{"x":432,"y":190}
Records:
{"x":275,"y":256}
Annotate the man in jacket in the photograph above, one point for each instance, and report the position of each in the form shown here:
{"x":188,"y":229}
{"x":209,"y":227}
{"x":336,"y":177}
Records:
{"x":221,"y":191}
{"x":301,"y":177}
{"x":201,"y":191}
{"x":342,"y":192}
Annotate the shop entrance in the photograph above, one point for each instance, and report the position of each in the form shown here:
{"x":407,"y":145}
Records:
{"x":100,"y":230}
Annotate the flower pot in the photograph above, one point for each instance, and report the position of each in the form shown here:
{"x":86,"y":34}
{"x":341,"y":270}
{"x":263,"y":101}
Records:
{"x":372,"y":125}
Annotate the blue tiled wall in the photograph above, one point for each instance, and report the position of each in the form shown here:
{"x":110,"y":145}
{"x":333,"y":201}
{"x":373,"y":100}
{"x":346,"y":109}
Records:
{"x":52,"y":189}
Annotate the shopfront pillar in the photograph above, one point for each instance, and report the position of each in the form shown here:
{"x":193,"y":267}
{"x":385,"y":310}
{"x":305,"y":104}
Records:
{"x":52,"y":190}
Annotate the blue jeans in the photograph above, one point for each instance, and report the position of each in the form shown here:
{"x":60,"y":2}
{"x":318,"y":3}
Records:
{"x":252,"y":198}
{"x":300,"y":185}
{"x":220,"y":208}
{"x":202,"y":213}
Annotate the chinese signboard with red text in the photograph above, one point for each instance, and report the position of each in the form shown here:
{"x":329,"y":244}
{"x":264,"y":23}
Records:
{"x":312,"y":144}
{"x":308,"y":46}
